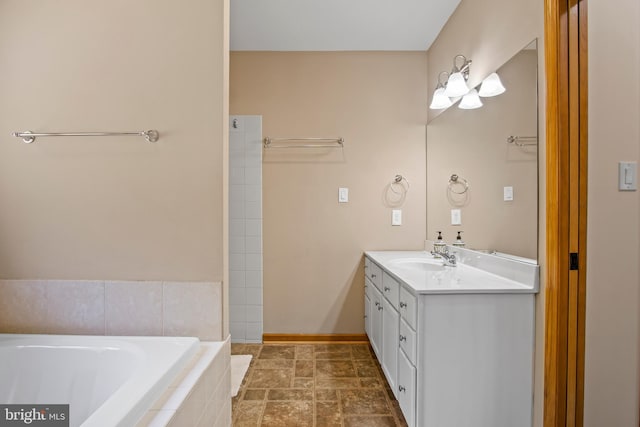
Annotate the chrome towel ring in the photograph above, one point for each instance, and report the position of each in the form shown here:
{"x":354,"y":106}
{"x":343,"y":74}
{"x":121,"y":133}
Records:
{"x":397,"y":180}
{"x":457,"y":182}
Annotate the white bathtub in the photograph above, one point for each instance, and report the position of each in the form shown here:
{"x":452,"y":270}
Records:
{"x":107,"y":381}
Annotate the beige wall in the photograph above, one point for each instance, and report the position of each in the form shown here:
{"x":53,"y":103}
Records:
{"x":472,"y":144}
{"x":113,"y":208}
{"x":489,"y":33}
{"x":611,"y":377}
{"x":313,"y":278}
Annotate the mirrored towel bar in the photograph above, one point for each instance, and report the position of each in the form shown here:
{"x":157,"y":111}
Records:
{"x":516,"y":140}
{"x":295,"y":142}
{"x":28,"y":137}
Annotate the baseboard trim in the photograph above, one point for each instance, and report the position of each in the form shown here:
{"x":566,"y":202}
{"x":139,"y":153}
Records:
{"x":343,"y":338}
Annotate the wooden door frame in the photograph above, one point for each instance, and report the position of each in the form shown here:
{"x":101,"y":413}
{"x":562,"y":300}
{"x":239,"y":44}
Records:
{"x":566,"y":198}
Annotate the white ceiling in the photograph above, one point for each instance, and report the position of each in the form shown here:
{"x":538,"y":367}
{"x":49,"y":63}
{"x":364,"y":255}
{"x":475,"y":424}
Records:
{"x":329,"y":25}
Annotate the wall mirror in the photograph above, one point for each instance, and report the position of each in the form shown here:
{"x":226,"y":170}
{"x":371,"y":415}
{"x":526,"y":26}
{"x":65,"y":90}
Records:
{"x":493,"y":152}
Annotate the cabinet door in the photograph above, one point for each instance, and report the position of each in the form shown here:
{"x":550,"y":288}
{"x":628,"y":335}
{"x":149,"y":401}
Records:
{"x":367,"y":310}
{"x":390,"y":327}
{"x":376,"y":321}
{"x":407,"y":389}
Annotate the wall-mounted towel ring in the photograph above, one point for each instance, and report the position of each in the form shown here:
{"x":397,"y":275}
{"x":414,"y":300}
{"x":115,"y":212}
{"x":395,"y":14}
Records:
{"x":459,"y":183}
{"x":398,"y":181}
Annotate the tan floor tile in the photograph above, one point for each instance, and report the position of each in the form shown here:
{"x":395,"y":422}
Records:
{"x":288,"y":414}
{"x":273,"y":363}
{"x":290,"y":394}
{"x":343,"y":385}
{"x":326,"y":394}
{"x":278,"y":352}
{"x":361,"y":351}
{"x":328,"y":414}
{"x":364,"y":402}
{"x":369,"y":422}
{"x":337,"y":383}
{"x":303,"y":383}
{"x":304,"y":352}
{"x":270,"y":378}
{"x":367,"y":371}
{"x":304,"y":368}
{"x":331,"y":348}
{"x":247,"y":413}
{"x":255,"y":394}
{"x":335,"y":368}
{"x":370,"y":382}
{"x":333,"y":355}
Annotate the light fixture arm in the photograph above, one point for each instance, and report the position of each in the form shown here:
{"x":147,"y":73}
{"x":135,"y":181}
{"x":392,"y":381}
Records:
{"x":464,"y":68}
{"x":440,"y":82}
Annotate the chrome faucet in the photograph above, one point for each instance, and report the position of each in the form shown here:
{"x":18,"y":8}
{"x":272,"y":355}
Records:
{"x":449,"y":259}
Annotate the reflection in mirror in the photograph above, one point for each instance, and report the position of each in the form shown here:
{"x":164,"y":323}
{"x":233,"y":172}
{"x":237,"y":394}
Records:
{"x":475,"y":146}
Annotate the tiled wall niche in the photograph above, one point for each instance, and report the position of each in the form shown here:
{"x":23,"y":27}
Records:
{"x":112,"y":308}
{"x":245,"y":228}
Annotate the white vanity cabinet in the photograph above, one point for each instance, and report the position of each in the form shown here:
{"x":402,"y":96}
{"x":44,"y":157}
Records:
{"x":382,"y":319}
{"x":454,"y":357}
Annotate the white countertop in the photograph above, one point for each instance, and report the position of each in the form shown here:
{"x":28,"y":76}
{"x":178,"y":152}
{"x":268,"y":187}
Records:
{"x":462,"y":278}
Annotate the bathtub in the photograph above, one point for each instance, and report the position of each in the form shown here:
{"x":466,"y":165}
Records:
{"x":107,"y":381}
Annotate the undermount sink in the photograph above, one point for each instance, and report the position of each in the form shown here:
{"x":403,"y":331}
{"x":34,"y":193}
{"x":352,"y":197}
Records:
{"x":420,"y":264}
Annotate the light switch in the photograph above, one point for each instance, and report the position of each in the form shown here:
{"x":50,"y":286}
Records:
{"x":508,"y":194}
{"x":343,"y":195}
{"x":627,"y":176}
{"x":456,"y":217}
{"x":396,"y":217}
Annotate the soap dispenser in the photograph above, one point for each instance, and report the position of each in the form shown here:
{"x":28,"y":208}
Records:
{"x":459,"y":243}
{"x":439,"y":246}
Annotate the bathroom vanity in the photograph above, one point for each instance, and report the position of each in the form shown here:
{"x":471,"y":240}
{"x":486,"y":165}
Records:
{"x":456,"y":344}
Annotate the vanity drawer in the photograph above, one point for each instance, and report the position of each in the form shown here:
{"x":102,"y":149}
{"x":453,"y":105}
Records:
{"x":373,"y":272}
{"x":408,"y":341}
{"x":390,"y":289}
{"x":408,"y":307}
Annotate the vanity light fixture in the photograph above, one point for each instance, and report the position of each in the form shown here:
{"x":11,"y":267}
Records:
{"x":457,"y":83}
{"x":440,"y":100}
{"x":491,"y":86}
{"x":470,"y":101}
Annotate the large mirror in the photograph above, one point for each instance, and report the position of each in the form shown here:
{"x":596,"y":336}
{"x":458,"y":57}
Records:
{"x":492,"y":151}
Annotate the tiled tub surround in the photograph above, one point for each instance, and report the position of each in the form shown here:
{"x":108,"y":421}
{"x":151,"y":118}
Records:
{"x":200,"y":396}
{"x":454,"y":337}
{"x":142,"y":308}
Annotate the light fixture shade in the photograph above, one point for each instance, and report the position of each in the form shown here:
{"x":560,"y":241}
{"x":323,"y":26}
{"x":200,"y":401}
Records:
{"x":491,"y":86}
{"x":470,"y":101}
{"x":440,"y":100}
{"x":456,"y":86}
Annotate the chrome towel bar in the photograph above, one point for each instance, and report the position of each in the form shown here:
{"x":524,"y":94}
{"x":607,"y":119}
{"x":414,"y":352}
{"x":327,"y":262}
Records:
{"x":28,"y":137}
{"x":316,"y":142}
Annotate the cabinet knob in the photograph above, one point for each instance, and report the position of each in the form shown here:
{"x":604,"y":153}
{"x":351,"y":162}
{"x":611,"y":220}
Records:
{"x":402,"y":304}
{"x":401,"y":388}
{"x":377,"y":304}
{"x":403,"y":338}
{"x":387,"y":289}
{"x":380,"y":307}
{"x":373,"y":275}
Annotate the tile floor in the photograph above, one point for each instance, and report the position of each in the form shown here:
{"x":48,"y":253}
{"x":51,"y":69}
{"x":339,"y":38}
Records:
{"x":314,"y":385}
